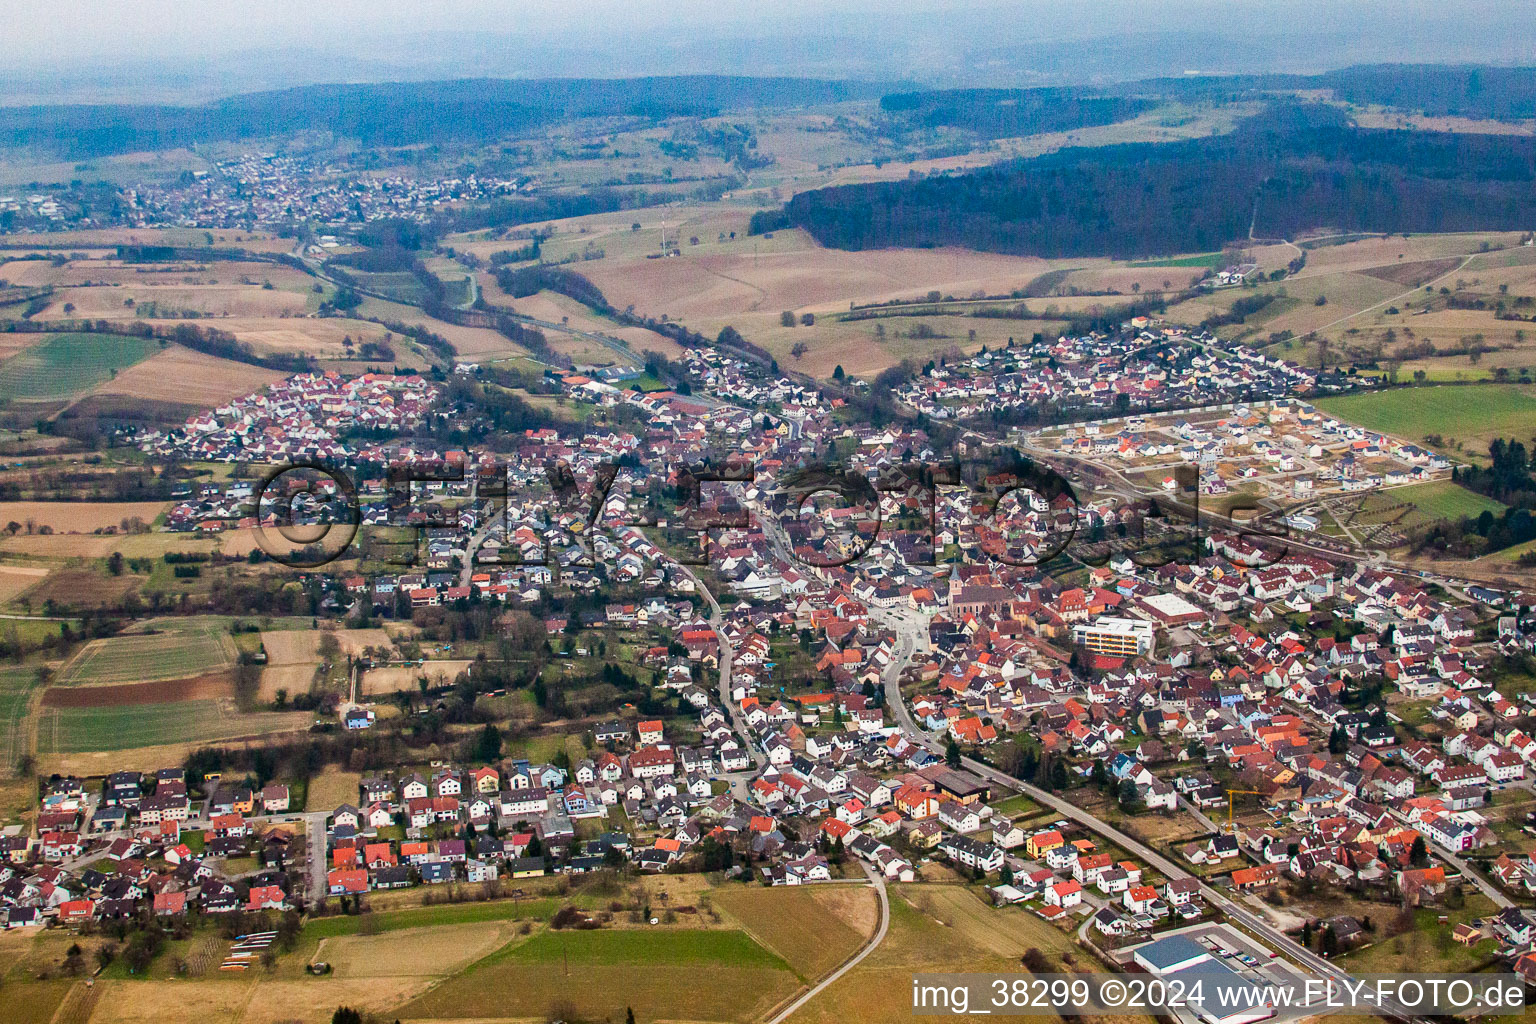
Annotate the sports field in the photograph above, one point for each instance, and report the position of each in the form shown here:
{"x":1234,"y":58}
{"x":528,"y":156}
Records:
{"x":192,"y":650}
{"x":694,"y":975}
{"x":1469,"y":416}
{"x":75,"y":730}
{"x":63,"y":365}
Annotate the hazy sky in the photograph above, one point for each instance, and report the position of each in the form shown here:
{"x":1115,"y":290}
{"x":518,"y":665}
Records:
{"x":58,"y":28}
{"x":55,"y":28}
{"x":113,"y":47}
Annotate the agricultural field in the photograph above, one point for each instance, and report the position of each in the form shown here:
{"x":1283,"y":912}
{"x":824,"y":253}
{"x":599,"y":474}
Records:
{"x":381,"y":961}
{"x":1125,"y":281}
{"x":865,"y":347}
{"x":1441,"y":318}
{"x":414,"y":952}
{"x":292,"y":658}
{"x":934,"y":928}
{"x":78,"y":730}
{"x":182,"y":650}
{"x":814,"y":928}
{"x":288,"y":646}
{"x":94,"y":545}
{"x":469,"y":342}
{"x":129,"y":280}
{"x":322,"y":338}
{"x":10,"y":344}
{"x":108,"y":239}
{"x":1467,"y":418}
{"x":1510,"y":554}
{"x":1166,"y":122}
{"x":186,"y":377}
{"x":16,"y":684}
{"x":587,"y":351}
{"x":77,"y":587}
{"x":61,"y":366}
{"x":550,"y":306}
{"x":801,"y":277}
{"x":250,"y":1000}
{"x":16,"y":580}
{"x":656,"y":972}
{"x":1326,"y":255}
{"x":284,"y":333}
{"x":65,"y":517}
{"x":382,"y":921}
{"x":165,"y":691}
{"x":1346,"y":291}
{"x":1213,"y":260}
{"x":172,"y":300}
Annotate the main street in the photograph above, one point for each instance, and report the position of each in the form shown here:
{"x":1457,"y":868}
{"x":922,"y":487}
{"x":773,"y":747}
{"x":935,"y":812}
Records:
{"x":495,"y":520}
{"x":717,"y":623}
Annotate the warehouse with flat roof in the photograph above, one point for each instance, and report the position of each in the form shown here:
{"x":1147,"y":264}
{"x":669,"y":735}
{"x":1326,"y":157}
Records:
{"x":1172,"y":610}
{"x":1227,"y":996}
{"x":1174,"y":953}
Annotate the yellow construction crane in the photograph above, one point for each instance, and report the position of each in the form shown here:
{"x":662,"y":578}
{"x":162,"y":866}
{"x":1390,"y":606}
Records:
{"x":1237,"y":792}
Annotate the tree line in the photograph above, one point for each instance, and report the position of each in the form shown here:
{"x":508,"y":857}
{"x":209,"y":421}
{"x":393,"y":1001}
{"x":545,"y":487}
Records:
{"x":1009,"y":113}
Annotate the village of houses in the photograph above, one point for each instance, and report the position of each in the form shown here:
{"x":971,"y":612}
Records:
{"x":1353,"y":714}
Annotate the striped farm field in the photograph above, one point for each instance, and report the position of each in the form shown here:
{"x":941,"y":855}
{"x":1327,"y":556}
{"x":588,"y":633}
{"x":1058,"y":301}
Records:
{"x":138,"y":657}
{"x":15,"y":691}
{"x":63,"y":365}
{"x":705,"y":975}
{"x":75,"y":730}
{"x":1472,"y":414}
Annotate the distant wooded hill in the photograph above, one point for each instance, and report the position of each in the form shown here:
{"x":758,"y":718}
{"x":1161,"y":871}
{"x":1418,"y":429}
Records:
{"x":1005,"y":113}
{"x":473,"y":110}
{"x":1465,"y":91}
{"x":1293,"y":168}
{"x":405,"y":113}
{"x":1475,"y":91}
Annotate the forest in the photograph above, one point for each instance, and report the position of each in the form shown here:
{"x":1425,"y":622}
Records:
{"x":404,"y":113}
{"x":1292,"y":168}
{"x":1437,"y":90}
{"x":1004,"y":113}
{"x":1474,"y":91}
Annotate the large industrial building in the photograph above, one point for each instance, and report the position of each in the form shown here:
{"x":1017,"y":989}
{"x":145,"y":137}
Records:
{"x":1229,"y":998}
